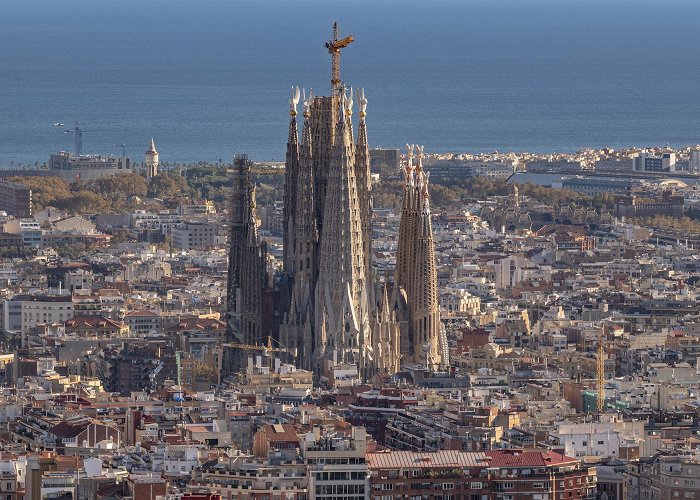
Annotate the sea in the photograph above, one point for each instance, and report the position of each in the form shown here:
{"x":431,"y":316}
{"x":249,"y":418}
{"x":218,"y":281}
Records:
{"x":208,"y":79}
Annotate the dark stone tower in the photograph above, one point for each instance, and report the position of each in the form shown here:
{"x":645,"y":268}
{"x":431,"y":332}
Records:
{"x":247,"y":274}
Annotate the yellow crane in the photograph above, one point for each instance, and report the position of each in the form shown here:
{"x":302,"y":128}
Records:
{"x":334,"y":45}
{"x":600,"y":372}
{"x":267,"y":349}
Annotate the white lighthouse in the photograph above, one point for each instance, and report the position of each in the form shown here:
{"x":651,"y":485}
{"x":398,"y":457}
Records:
{"x":151,"y":161}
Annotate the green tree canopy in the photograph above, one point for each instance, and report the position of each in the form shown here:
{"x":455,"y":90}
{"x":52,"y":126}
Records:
{"x":119,"y":187}
{"x":83,"y":202}
{"x":44,"y":189}
{"x":167,"y":185}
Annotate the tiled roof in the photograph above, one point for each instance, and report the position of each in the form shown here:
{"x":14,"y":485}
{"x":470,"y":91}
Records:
{"x":519,"y":458}
{"x":65,"y":463}
{"x":437,"y":459}
{"x":66,"y":430}
{"x":280,"y":433}
{"x":151,"y":314}
{"x":198,"y":428}
{"x":93,"y":322}
{"x":196,"y":324}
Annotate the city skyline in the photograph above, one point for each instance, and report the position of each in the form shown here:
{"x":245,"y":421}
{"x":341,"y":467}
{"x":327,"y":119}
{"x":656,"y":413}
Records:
{"x":355,"y":322}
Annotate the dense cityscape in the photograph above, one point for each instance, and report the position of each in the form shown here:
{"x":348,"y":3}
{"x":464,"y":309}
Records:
{"x":354,"y":322}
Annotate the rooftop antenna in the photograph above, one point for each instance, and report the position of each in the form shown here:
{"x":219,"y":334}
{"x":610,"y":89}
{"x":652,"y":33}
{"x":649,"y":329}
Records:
{"x":78,"y":140}
{"x":334,"y":45}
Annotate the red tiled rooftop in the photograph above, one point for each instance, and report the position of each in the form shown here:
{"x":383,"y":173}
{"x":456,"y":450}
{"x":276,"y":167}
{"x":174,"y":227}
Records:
{"x":197,"y":324}
{"x":519,"y":458}
{"x":93,"y":322}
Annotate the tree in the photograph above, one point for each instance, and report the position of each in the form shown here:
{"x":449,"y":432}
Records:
{"x":265,"y":194}
{"x":119,"y":236}
{"x":119,"y":187}
{"x":167,"y":185}
{"x":162,"y":186}
{"x":70,"y":251}
{"x":387,"y":194}
{"x":44,"y":189}
{"x":442,"y":196}
{"x":83,"y":202}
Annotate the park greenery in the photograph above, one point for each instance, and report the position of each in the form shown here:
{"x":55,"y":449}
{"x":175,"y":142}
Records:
{"x":211,"y":181}
{"x":666,"y":224}
{"x":120,"y":193}
{"x":116,"y":193}
{"x":388,"y":193}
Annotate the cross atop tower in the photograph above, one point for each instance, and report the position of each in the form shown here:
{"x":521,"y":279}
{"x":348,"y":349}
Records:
{"x":334,"y":45}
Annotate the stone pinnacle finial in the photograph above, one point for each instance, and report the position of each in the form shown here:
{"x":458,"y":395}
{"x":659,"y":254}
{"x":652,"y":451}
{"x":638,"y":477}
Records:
{"x":348,"y":103}
{"x":363,"y":102}
{"x":293,"y":100}
{"x":307,"y":102}
{"x":408,"y":170}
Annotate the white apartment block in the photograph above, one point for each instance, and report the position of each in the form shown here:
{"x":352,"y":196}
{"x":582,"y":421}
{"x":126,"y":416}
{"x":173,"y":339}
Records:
{"x":194,"y":236}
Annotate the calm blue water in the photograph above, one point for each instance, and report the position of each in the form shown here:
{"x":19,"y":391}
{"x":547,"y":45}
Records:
{"x":210,"y":78}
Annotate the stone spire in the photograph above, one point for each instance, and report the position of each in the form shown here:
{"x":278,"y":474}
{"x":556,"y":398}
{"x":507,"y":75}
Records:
{"x":364,"y":185}
{"x":298,"y":332}
{"x":407,"y":221}
{"x":424,"y":301}
{"x":291,"y":174}
{"x":341,"y":290}
{"x":246,"y":268}
{"x":387,"y":350}
{"x":416,"y":293}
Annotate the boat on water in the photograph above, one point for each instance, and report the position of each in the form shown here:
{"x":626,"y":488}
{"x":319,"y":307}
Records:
{"x":57,"y":124}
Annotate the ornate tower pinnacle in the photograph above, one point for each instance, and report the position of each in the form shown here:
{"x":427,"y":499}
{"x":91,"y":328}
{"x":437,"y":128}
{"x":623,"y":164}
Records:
{"x":293,"y":101}
{"x":406,"y":222}
{"x":291,"y":175}
{"x":364,"y":186}
{"x":298,"y":332}
{"x":416,"y":274}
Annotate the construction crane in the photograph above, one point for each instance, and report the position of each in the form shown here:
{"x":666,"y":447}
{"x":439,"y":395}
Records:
{"x":267,"y":349}
{"x":600,"y":371}
{"x":78,"y":140}
{"x":123,"y":146}
{"x":334,"y":45}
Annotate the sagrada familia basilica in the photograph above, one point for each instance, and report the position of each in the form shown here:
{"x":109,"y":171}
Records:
{"x":328,"y":307}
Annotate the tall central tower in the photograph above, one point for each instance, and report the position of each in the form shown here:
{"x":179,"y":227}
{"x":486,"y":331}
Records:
{"x":333,"y":318}
{"x":342,"y":308}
